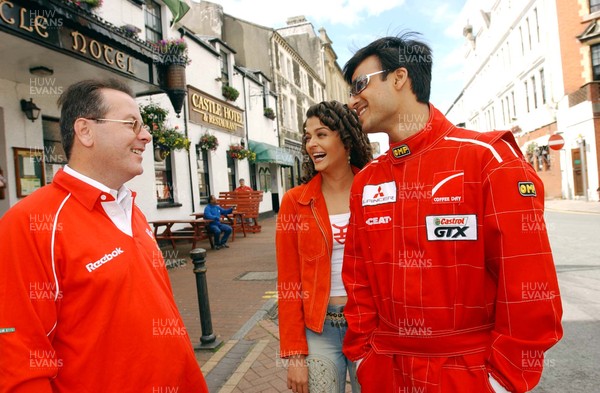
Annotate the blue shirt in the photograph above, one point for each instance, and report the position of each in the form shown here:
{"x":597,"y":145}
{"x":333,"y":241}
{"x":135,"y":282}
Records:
{"x":214,"y":212}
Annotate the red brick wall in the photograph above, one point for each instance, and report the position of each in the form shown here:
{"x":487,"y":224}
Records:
{"x":570,"y":25}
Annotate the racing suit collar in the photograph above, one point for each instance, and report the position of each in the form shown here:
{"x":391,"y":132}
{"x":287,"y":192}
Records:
{"x":435,"y":129}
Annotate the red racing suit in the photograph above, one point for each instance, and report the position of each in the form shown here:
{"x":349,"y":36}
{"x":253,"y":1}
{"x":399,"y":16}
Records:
{"x":85,"y":307}
{"x":448,"y":267}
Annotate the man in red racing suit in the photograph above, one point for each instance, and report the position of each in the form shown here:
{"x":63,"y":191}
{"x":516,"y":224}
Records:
{"x":448,"y":269}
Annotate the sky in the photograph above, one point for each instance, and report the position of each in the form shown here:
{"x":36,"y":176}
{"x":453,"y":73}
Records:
{"x":352,"y":24}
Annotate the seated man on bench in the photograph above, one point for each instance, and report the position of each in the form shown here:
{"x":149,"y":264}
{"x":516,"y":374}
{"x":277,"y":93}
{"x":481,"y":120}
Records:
{"x":213,"y":212}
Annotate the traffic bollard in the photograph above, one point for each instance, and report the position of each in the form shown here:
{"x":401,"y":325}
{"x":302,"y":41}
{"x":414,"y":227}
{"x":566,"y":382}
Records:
{"x":208,"y":340}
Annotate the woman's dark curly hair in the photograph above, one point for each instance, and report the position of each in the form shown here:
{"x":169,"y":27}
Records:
{"x":338,"y":117}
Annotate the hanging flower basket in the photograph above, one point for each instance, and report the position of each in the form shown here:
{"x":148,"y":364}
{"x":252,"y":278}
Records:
{"x":164,"y":138}
{"x":239,"y":153}
{"x":172,"y":51}
{"x":230,"y":93}
{"x":269,"y":113}
{"x":208,"y":142}
{"x":88,"y":5}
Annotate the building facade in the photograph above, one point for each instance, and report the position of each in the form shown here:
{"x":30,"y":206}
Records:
{"x":523,"y":60}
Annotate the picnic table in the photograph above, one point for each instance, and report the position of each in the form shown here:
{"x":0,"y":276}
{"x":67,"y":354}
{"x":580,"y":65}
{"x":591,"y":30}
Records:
{"x":233,"y":220}
{"x":195,"y":229}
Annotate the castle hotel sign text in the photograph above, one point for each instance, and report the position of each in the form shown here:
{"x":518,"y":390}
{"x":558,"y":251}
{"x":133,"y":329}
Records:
{"x":214,"y":113}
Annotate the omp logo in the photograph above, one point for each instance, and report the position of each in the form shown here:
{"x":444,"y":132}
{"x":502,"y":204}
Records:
{"x":527,"y":188}
{"x":378,"y":194}
{"x":378,"y":220}
{"x":106,"y":258}
{"x":452,"y":227}
{"x":401,"y":151}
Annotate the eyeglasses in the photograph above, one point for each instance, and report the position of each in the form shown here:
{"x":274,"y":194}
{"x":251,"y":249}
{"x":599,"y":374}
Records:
{"x":136,"y":125}
{"x":360,"y":83}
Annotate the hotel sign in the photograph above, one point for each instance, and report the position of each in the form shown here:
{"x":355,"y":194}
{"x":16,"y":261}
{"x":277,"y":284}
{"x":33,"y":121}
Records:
{"x":51,"y":28}
{"x":212,"y":112}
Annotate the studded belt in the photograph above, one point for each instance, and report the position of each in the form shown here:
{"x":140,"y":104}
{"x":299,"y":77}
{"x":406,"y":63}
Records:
{"x":337,"y":319}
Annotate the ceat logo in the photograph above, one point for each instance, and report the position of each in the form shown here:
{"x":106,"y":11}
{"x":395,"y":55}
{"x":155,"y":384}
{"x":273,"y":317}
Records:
{"x":378,"y":220}
{"x":400,"y":151}
{"x":452,"y":227}
{"x":527,"y":188}
{"x":377,"y":194}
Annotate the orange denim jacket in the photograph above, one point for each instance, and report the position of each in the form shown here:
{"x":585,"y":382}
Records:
{"x":304,"y":244}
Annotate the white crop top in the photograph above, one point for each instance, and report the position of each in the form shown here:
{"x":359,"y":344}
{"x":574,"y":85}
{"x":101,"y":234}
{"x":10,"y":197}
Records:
{"x":339,"y":228}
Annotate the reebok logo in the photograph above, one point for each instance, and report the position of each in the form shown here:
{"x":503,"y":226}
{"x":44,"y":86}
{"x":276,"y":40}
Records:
{"x":106,"y":258}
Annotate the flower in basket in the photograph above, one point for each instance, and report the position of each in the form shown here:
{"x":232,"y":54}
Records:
{"x":130,"y":30}
{"x":153,"y":115}
{"x":172,"y":51}
{"x":269,"y":113}
{"x":86,"y":3}
{"x":169,"y":138}
{"x":240,"y":153}
{"x":208,"y":142}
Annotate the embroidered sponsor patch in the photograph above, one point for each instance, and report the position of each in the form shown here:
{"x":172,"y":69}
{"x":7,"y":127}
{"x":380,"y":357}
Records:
{"x":400,"y":151}
{"x":452,"y":227}
{"x":7,"y":330}
{"x":527,"y":188}
{"x":378,"y":220}
{"x":448,"y":187}
{"x":379,"y":194}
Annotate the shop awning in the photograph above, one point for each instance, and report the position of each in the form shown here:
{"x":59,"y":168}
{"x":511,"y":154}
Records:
{"x":269,"y":153}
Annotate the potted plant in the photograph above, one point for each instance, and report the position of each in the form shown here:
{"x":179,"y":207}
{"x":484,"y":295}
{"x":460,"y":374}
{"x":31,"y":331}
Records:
{"x":230,"y":93}
{"x":164,"y":138}
{"x":172,"y":51}
{"x":208,"y":142}
{"x":87,"y":5}
{"x":167,"y":139}
{"x":269,"y":113}
{"x":130,"y":31}
{"x":239,"y":152}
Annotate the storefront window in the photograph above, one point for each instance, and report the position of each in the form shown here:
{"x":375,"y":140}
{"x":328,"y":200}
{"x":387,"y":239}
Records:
{"x":203,"y":175}
{"x":231,"y":174}
{"x":164,"y":181}
{"x":264,"y":175}
{"x":54,"y":154}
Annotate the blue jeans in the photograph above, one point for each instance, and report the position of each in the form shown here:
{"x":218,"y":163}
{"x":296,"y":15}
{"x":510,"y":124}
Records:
{"x":216,"y":228}
{"x":326,"y":362}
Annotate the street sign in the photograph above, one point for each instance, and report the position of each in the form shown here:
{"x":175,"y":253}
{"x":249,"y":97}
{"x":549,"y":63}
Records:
{"x":556,"y":142}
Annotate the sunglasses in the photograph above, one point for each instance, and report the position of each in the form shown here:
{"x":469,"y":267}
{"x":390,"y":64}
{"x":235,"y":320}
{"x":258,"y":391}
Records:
{"x":136,"y":125}
{"x":360,"y":83}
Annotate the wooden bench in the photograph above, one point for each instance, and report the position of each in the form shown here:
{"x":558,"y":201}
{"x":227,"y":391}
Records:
{"x":196,"y":230}
{"x":245,"y":204}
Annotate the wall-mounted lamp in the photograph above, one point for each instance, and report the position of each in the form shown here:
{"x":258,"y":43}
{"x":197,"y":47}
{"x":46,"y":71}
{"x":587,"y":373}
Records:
{"x":32,"y":112}
{"x":41,"y":71}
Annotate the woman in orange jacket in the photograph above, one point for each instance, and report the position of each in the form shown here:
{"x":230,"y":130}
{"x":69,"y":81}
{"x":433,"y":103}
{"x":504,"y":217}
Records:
{"x":311,"y":231}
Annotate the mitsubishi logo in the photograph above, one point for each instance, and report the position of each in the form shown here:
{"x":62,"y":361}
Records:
{"x":379,"y":193}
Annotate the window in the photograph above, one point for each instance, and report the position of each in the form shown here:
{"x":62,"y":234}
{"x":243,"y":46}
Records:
{"x":54,"y":154}
{"x":163,"y":176}
{"x":526,"y":95}
{"x":537,"y":24}
{"x":596,"y":61}
{"x":504,"y":113}
{"x":521,"y":37}
{"x":528,"y":32}
{"x":224,"y":68}
{"x":514,"y":106}
{"x":264,"y":178}
{"x":153,"y":21}
{"x":203,"y":175}
{"x":277,"y":64}
{"x":300,"y":117}
{"x":231,"y":172}
{"x":594,"y":6}
{"x":543,"y":86}
{"x":296,"y":74}
{"x":293,"y":116}
{"x":534,"y":88}
{"x":290,"y":72}
{"x":311,"y":89}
